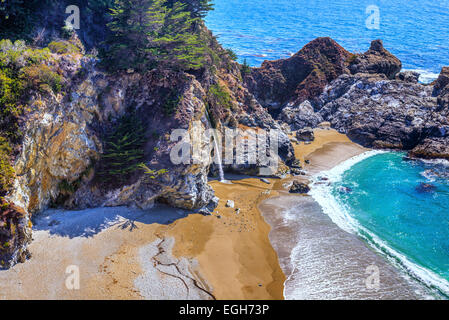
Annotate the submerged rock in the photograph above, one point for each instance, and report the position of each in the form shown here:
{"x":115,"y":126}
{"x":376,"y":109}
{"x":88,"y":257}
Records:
{"x":425,"y":188}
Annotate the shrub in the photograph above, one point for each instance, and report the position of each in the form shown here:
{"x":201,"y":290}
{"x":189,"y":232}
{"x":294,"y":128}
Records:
{"x":232,"y":55}
{"x":220,"y":96}
{"x":245,"y":68}
{"x":6,"y":170}
{"x":171,"y":103}
{"x":63,"y":47}
{"x":42,"y":77}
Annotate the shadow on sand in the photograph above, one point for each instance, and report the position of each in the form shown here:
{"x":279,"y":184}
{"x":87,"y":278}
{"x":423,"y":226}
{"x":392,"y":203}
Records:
{"x":89,"y":222}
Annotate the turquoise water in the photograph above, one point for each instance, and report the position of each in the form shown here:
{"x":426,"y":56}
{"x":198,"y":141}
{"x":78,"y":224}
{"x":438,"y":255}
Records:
{"x":398,"y":214}
{"x":417,"y":31}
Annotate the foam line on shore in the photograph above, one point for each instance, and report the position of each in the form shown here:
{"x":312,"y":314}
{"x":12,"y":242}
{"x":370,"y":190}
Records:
{"x":339,"y":214}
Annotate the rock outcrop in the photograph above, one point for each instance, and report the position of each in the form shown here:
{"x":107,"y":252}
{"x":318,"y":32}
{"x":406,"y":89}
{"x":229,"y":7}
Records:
{"x":302,"y":77}
{"x":377,"y":60}
{"x":60,"y":156}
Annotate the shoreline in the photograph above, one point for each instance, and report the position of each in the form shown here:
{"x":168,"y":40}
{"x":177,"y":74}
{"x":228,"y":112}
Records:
{"x":303,"y":235}
{"x":238,"y":253}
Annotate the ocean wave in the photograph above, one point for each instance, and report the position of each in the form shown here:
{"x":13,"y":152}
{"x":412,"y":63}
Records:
{"x":425,"y":76}
{"x":339,"y":214}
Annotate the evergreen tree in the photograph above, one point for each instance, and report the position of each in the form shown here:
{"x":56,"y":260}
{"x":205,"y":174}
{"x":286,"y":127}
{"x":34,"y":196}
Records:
{"x":134,"y":24}
{"x":179,"y":46}
{"x":197,"y":8}
{"x":123,"y":150}
{"x":148,"y":32}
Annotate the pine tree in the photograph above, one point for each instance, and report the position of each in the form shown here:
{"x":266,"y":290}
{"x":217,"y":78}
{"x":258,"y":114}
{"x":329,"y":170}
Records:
{"x":197,"y":8}
{"x":123,"y":150}
{"x":179,"y":45}
{"x":134,"y":24}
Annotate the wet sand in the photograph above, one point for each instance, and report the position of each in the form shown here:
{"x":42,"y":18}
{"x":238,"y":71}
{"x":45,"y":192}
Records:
{"x":320,"y":260}
{"x":169,"y":254}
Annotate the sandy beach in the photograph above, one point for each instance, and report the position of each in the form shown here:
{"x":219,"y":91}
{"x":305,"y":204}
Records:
{"x":320,"y":260}
{"x":148,"y":256}
{"x":171,"y":254}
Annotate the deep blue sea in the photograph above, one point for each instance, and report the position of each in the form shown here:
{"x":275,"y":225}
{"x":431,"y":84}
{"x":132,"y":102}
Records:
{"x":416,"y":31}
{"x":399,"y":207}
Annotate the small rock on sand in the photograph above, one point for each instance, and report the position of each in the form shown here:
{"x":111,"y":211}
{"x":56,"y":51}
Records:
{"x":230,"y":204}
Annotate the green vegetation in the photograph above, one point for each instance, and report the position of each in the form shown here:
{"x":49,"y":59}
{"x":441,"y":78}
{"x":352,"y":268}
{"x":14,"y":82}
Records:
{"x":171,"y":102}
{"x":245,"y":68}
{"x":153,"y":174}
{"x":220,"y":96}
{"x":123,"y":150}
{"x":17,"y":19}
{"x":22,"y":68}
{"x":63,"y":47}
{"x":197,"y":8}
{"x":232,"y":55}
{"x":148,"y":33}
{"x":6,"y":170}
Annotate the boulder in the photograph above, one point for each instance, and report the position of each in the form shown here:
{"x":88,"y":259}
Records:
{"x":299,"y":187}
{"x":230,"y":204}
{"x":300,"y":116}
{"x":408,"y":76}
{"x":305,"y":134}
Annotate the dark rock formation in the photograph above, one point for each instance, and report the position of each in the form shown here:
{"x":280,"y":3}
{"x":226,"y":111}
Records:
{"x":15,"y":234}
{"x":408,"y":76}
{"x":441,"y":88}
{"x":377,"y":112}
{"x":425,"y":188}
{"x":299,"y":187}
{"x":376,"y":60}
{"x":299,"y":78}
{"x":305,"y":134}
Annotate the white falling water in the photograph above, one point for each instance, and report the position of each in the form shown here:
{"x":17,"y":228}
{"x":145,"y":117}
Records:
{"x":217,"y":151}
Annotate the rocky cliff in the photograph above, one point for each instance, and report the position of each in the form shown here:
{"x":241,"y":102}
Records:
{"x":364,"y":96}
{"x":60,"y":154}
{"x":73,"y":109}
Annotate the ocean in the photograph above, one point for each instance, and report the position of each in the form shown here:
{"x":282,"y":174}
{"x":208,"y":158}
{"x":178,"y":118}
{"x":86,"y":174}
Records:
{"x":398,"y":207}
{"x":416,"y":31}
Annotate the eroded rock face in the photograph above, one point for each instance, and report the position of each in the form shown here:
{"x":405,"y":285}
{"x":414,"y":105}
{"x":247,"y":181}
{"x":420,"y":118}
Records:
{"x":299,"y":78}
{"x":441,"y":88}
{"x":58,"y":145}
{"x":377,"y":60}
{"x":302,"y":116}
{"x":381,"y":113}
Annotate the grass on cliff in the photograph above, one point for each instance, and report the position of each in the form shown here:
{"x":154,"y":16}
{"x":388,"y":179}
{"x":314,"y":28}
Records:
{"x":22,"y":69}
{"x":220,"y":96}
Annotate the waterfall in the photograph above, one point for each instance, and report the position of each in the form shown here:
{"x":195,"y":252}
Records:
{"x":217,"y":150}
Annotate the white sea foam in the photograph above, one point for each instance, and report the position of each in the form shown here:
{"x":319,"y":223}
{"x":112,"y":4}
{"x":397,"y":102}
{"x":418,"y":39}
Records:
{"x":425,"y":76}
{"x":339,"y":214}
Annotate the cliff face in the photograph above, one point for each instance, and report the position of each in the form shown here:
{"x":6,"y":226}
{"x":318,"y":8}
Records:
{"x":61,"y":152}
{"x":299,"y":78}
{"x":365,"y":96}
